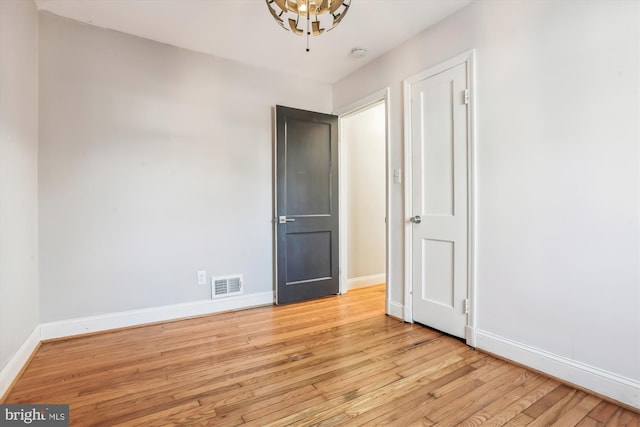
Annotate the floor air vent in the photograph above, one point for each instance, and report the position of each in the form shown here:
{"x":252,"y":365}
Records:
{"x":226,"y":286}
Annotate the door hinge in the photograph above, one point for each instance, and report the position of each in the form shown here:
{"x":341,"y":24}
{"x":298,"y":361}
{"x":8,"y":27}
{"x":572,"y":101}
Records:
{"x":466,"y":306}
{"x":465,"y":95}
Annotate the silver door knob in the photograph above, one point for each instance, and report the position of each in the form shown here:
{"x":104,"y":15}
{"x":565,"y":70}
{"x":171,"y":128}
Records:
{"x":283,"y":219}
{"x":415,"y":219}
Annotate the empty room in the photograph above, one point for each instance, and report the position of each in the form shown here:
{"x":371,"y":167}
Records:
{"x":320,"y":212}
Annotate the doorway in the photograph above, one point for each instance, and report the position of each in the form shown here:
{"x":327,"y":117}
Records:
{"x":364,"y":194}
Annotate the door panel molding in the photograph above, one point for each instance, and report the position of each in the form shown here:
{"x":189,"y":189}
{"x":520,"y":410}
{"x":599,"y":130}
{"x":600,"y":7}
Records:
{"x":467,"y":58}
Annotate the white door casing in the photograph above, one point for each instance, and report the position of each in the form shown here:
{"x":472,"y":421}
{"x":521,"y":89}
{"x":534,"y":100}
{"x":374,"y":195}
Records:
{"x":439,"y":188}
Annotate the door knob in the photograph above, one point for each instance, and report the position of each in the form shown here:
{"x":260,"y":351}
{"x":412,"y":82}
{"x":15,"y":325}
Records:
{"x":283,"y":219}
{"x":415,"y":219}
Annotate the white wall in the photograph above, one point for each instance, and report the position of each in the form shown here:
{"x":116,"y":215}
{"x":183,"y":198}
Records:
{"x":363,"y":138}
{"x":557,"y":179}
{"x":155,"y":162}
{"x":18,"y":176}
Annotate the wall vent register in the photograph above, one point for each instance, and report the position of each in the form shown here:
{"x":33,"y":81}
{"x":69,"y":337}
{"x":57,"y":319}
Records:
{"x":226,"y":286}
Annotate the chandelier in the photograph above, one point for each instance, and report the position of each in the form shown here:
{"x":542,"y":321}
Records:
{"x":312,"y":17}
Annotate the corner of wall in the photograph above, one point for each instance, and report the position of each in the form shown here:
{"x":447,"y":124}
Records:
{"x":20,"y":360}
{"x":19,"y":182}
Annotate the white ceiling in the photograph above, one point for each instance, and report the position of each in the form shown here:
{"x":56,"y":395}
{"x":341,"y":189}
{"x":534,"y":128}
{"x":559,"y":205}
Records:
{"x":243,"y":30}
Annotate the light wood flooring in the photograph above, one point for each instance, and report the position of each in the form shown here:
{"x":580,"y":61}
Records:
{"x":334,"y":361}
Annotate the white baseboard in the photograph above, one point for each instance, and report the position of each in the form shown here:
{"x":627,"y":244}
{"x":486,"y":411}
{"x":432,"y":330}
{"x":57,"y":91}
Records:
{"x":364,"y":281}
{"x":11,"y":370}
{"x":396,"y":310}
{"x":616,"y":387}
{"x":89,"y":324}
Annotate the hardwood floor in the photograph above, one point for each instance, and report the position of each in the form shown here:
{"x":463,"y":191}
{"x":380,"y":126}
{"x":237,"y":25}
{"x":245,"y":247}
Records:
{"x":334,"y":361}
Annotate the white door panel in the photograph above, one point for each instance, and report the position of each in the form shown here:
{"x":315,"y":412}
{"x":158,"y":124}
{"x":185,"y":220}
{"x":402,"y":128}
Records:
{"x":438,"y":272}
{"x":439,"y":196}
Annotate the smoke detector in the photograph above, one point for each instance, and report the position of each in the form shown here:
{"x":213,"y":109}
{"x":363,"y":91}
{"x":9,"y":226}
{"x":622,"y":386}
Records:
{"x":358,"y":52}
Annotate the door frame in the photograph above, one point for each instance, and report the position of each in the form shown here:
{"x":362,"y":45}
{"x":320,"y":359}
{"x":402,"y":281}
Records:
{"x":342,"y":113}
{"x":467,"y":57}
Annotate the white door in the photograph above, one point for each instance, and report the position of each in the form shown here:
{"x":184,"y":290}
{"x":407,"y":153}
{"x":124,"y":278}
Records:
{"x":439,"y":190}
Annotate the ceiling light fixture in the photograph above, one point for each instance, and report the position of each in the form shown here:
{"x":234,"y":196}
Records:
{"x":312,"y":17}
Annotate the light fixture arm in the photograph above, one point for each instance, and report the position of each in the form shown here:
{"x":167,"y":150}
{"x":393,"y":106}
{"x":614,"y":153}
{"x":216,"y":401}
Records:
{"x":308,"y":25}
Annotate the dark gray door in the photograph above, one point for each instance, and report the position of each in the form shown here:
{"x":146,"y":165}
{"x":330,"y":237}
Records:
{"x":306,"y":205}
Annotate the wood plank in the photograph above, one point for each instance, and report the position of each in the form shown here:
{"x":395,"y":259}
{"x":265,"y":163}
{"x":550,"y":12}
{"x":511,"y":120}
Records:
{"x":557,"y":410}
{"x":521,"y":420}
{"x":579,"y":412}
{"x":404,"y":403}
{"x":492,"y":387}
{"x":526,"y":382}
{"x":589,"y":422}
{"x":334,"y":361}
{"x":623,"y":417}
{"x":521,"y":403}
{"x":603,"y":412}
{"x":542,"y":405}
